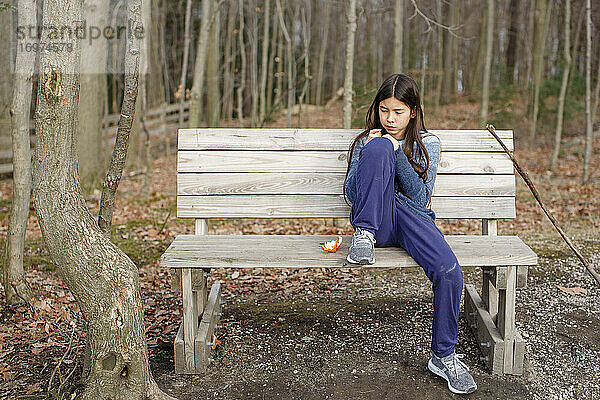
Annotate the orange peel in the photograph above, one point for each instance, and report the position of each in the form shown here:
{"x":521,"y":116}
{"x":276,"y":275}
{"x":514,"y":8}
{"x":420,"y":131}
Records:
{"x":332,"y":245}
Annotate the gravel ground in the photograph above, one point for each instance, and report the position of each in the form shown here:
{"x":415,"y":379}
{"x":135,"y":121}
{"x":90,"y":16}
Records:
{"x":370,"y":339}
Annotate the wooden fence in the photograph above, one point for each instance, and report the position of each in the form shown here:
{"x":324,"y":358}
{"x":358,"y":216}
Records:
{"x":159,"y":122}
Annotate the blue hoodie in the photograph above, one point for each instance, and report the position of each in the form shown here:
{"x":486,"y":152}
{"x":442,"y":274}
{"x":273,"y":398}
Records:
{"x":406,"y":180}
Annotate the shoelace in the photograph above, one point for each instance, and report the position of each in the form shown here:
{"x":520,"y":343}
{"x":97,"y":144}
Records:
{"x":361,"y":236}
{"x":453,"y":364}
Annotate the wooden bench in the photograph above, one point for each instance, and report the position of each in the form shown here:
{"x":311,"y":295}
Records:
{"x":299,"y":173}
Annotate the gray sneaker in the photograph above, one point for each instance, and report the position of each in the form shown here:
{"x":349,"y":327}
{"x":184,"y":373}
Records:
{"x":362,"y":247}
{"x":454,"y":371}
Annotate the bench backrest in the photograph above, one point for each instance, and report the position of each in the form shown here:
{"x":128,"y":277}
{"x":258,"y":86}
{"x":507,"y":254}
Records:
{"x":299,"y":173}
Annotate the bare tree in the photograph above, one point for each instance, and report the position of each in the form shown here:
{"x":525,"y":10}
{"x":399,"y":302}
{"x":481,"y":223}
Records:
{"x":101,"y":277}
{"x":13,"y":276}
{"x":265,"y":57}
{"x":513,"y":39}
{"x":542,"y":20}
{"x":240,"y":91}
{"x":213,"y":92}
{"x":186,"y":54}
{"x":323,"y":47}
{"x":588,"y":92}
{"x":305,"y":20}
{"x":128,"y":110}
{"x":351,"y":29}
{"x":92,"y":98}
{"x":487,"y":69}
{"x":563,"y":87}
{"x":200,"y":67}
{"x":398,"y":39}
{"x":290,"y":60}
{"x":254,"y":66}
{"x":229,"y":64}
{"x":270,"y":74}
{"x":6,"y":79}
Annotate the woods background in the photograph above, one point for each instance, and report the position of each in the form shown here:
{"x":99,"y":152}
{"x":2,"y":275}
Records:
{"x":249,"y":60}
{"x":532,"y":66}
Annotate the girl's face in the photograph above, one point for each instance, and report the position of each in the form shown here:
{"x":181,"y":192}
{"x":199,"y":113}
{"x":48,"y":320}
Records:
{"x":395,"y":116}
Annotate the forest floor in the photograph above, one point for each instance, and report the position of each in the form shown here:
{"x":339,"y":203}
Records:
{"x":347,"y":333}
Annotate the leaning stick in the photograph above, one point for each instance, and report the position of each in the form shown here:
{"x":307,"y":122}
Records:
{"x":535,"y":193}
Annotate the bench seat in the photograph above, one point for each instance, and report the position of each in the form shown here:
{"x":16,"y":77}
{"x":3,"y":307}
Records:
{"x":304,"y":251}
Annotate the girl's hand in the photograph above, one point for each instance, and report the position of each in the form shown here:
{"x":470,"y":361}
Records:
{"x":377,"y":133}
{"x":373,"y":133}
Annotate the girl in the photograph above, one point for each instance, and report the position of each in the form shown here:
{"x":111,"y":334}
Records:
{"x":391,"y":171}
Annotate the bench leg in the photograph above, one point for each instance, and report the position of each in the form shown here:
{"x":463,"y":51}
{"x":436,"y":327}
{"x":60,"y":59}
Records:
{"x":495,"y":312}
{"x":205,"y":340}
{"x":489,"y":293}
{"x":487,"y":335}
{"x":190,"y":320}
{"x":513,"y":343}
{"x":201,"y":312}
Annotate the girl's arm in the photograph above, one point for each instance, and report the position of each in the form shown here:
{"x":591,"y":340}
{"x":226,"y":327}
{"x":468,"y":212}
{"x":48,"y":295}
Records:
{"x":350,"y":184}
{"x":409,"y":181}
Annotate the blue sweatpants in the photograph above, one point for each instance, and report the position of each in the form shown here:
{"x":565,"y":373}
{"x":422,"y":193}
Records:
{"x":376,"y":210}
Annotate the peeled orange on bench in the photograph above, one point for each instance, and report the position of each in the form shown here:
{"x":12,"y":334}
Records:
{"x":332,"y":245}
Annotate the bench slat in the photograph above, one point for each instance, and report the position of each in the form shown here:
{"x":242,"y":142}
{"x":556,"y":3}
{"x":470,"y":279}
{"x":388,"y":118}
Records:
{"x":323,"y":139}
{"x":293,"y":251}
{"x":329,"y":183}
{"x":328,"y":206}
{"x":325,"y":161}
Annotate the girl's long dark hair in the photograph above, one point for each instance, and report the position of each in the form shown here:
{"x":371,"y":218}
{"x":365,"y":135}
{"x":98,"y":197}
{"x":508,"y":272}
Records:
{"x":405,"y":89}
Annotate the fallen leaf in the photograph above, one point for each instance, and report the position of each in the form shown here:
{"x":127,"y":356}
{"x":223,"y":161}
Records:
{"x":574,"y":291}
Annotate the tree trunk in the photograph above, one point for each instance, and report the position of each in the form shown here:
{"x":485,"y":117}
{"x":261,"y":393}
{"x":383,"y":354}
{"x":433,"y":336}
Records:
{"x":305,"y":20}
{"x":542,"y":19}
{"x":13,"y":276}
{"x":240,"y":91}
{"x":511,"y":49}
{"x":487,"y":68}
{"x":124,"y":127}
{"x":476,"y":75}
{"x":229,"y":64}
{"x":279,"y":60}
{"x":323,"y":48}
{"x":213,"y":92}
{"x":101,"y":277}
{"x":577,"y":37}
{"x":264,"y":62}
{"x":530,"y":41}
{"x":254,"y":66}
{"x":440,"y":60}
{"x":145,"y":77}
{"x":200,"y":67}
{"x":274,"y":37}
{"x":92,"y":98}
{"x":337,"y":60}
{"x":6,"y":79}
{"x":351,"y":29}
{"x":588,"y":92}
{"x":186,"y":53}
{"x":596,"y":91}
{"x":398,"y":40}
{"x":563,"y":87}
{"x":155,"y":86}
{"x":290,"y":60}
{"x":449,"y":81}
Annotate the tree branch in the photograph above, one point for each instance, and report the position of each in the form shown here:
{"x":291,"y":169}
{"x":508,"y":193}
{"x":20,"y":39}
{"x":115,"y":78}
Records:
{"x":535,"y":193}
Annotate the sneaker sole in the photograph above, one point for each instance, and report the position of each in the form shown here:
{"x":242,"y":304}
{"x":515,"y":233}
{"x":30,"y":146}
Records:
{"x":431,"y":366}
{"x":364,"y":261}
